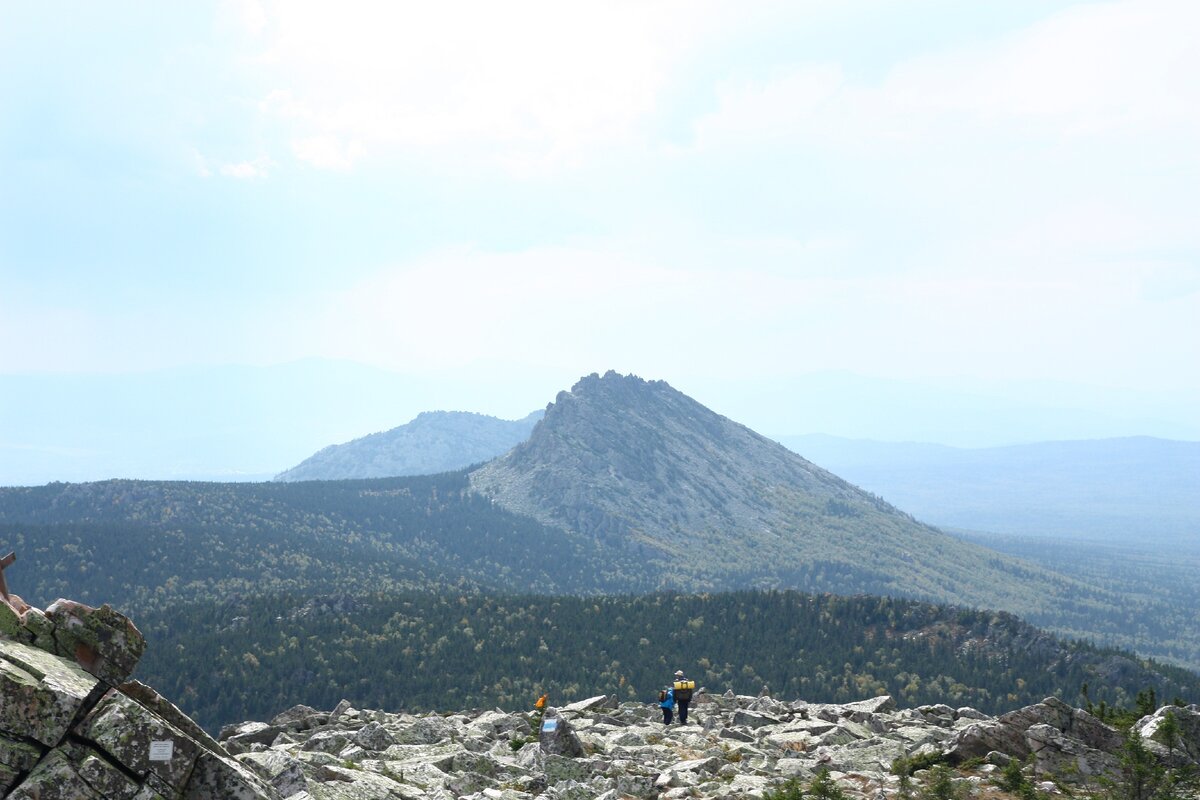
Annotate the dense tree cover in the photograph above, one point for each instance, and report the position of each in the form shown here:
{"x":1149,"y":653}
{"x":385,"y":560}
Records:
{"x":146,"y":546}
{"x":141,"y":545}
{"x":232,"y":660}
{"x":1158,"y":584}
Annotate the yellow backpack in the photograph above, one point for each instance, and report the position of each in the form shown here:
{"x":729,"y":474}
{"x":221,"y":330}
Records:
{"x":683,"y":690}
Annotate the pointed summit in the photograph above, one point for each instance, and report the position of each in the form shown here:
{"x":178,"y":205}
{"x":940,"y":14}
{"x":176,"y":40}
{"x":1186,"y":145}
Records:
{"x":713,"y":504}
{"x":618,"y":455}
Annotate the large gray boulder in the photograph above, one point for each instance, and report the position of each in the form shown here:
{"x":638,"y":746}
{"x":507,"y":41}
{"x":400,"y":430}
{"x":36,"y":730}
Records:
{"x":556,"y":737}
{"x":73,"y":728}
{"x":1068,"y":759}
{"x":40,"y":694}
{"x":1187,"y":721}
{"x":1007,"y":733}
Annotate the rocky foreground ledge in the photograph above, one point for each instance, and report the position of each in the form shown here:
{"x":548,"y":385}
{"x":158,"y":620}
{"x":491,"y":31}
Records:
{"x":733,"y":747}
{"x":74,"y":727}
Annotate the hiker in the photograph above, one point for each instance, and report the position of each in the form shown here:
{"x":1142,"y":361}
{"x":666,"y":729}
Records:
{"x":666,"y":701}
{"x":682,"y":693}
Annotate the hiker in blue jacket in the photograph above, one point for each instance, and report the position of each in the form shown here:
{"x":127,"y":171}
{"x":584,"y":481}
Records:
{"x":666,"y":702}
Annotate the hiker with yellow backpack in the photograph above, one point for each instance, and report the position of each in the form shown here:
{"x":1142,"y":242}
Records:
{"x":681,"y":691}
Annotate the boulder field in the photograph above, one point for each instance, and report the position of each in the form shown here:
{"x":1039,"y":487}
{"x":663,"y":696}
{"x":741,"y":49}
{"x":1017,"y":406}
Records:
{"x":733,"y":747}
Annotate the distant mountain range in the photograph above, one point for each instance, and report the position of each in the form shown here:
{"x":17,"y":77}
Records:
{"x":1119,"y":490}
{"x":1132,"y":489}
{"x":436,"y":441}
{"x":250,"y":422}
{"x":625,"y":485}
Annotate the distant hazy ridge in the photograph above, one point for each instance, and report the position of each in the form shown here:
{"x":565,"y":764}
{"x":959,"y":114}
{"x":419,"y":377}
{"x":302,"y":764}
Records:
{"x":436,"y":441}
{"x":1131,"y":489}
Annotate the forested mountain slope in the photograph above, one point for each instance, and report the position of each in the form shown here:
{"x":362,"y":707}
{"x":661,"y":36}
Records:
{"x":146,"y":544}
{"x":436,"y":441}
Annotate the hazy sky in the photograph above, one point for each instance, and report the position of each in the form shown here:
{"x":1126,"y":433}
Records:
{"x":997,"y":191}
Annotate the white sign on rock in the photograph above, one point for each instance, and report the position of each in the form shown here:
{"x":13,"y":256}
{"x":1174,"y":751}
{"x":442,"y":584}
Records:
{"x":162,"y":751}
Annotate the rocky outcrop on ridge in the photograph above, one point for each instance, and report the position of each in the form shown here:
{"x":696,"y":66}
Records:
{"x":74,"y":727}
{"x":733,"y":747}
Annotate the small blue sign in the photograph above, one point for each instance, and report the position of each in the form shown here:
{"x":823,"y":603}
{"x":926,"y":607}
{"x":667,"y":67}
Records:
{"x":550,"y":725}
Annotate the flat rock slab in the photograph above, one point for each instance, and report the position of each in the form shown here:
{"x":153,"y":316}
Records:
{"x":876,"y":705}
{"x":280,"y":770}
{"x":40,"y":693}
{"x":225,"y":778}
{"x":131,"y":734}
{"x":75,"y":772}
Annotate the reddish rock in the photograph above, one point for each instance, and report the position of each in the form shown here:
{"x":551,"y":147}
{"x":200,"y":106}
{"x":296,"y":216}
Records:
{"x":104,"y":642}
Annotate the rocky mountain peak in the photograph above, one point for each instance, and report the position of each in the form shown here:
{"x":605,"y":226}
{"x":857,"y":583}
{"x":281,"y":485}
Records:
{"x":615,"y":386}
{"x":706,"y":503}
{"x":611,"y":453}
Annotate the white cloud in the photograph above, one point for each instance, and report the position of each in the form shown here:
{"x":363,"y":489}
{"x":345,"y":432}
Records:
{"x":247,"y":14}
{"x":1123,"y":68}
{"x":516,"y":84}
{"x":327,"y":152}
{"x":246,"y":170}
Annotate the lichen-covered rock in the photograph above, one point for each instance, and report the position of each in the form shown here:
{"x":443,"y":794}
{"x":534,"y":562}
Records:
{"x":17,"y":755}
{"x":278,"y":769}
{"x":427,"y":730}
{"x":104,"y":642}
{"x":225,"y":778}
{"x":55,"y":778}
{"x":129,"y":732}
{"x":590,"y":704}
{"x":876,"y":705}
{"x":979,"y":739}
{"x":751,"y":719}
{"x":238,"y":738}
{"x":300,"y":718}
{"x":16,"y":758}
{"x":374,"y":737}
{"x":164,"y":708}
{"x":40,"y":694}
{"x":75,"y":772}
{"x":66,"y":734}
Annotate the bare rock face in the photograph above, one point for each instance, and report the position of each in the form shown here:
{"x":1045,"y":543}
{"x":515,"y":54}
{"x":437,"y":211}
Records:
{"x":73,"y":727}
{"x":1066,"y":757}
